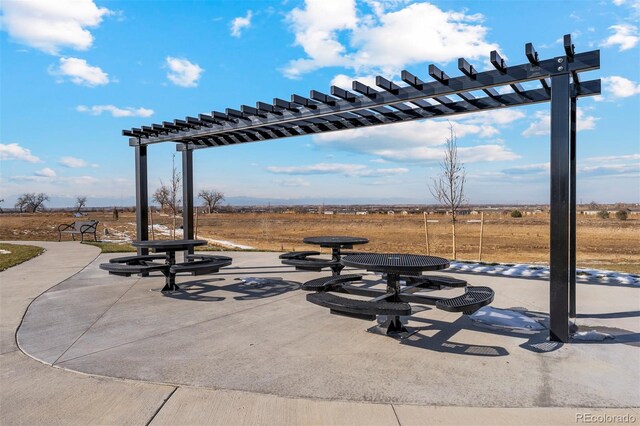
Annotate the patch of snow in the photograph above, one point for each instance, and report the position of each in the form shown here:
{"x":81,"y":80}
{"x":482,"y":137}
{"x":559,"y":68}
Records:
{"x":538,"y":271}
{"x":591,"y":335}
{"x":5,"y":252}
{"x":505,"y":318}
{"x":229,"y":244}
{"x":259,"y":282}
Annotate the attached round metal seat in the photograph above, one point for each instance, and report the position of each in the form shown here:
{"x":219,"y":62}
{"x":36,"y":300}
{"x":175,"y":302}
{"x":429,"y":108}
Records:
{"x":473,"y":299}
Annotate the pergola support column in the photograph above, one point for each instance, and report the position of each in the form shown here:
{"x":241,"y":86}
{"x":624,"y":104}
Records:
{"x":187,"y":195}
{"x":572,"y":214}
{"x":560,"y":206}
{"x":142,"y":197}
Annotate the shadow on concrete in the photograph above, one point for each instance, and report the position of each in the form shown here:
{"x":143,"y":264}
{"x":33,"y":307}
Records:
{"x":615,"y":336}
{"x":197,"y":290}
{"x":250,"y":288}
{"x":537,"y":340}
{"x":258,"y":288}
{"x":611,"y":315}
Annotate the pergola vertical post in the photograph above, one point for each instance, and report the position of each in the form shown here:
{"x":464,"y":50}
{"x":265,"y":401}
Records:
{"x":187,"y":195}
{"x":559,"y":203}
{"x":572,"y":214}
{"x":142,"y":197}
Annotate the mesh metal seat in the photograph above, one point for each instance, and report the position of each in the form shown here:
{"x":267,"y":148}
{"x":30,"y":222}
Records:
{"x":359,"y":307}
{"x":298,"y":254}
{"x":132,"y":260}
{"x":436,"y":281}
{"x":473,"y":299}
{"x":127,"y":270}
{"x":327,"y":283}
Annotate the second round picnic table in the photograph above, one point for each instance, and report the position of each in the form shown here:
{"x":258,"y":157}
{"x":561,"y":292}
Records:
{"x":336,"y":244}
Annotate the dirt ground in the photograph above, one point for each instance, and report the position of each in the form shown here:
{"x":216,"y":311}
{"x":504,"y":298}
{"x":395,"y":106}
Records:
{"x":601,"y":243}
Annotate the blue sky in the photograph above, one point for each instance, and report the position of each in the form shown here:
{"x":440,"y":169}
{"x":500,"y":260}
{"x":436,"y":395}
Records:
{"x":74,"y":73}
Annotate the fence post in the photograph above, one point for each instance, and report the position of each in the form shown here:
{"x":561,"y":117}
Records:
{"x":481,"y":233}
{"x":426,"y":233}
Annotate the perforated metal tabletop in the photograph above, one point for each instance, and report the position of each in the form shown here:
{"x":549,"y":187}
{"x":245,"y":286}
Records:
{"x":395,"y":263}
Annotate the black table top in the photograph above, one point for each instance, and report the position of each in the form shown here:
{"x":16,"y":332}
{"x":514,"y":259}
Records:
{"x":168,"y":245}
{"x":398,"y":263}
{"x":335,"y":241}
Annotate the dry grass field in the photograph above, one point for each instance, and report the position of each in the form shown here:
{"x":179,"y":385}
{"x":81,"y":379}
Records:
{"x":602,"y":243}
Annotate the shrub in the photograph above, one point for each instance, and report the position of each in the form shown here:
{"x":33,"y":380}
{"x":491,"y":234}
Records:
{"x":603,"y":214}
{"x":516,"y":213}
{"x":622,"y":214}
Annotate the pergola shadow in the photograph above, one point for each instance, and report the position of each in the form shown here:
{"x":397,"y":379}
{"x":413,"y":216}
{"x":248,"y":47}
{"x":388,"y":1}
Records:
{"x":251,"y":289}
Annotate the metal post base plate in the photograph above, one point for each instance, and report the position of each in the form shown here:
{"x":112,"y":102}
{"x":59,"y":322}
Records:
{"x":391,"y":326}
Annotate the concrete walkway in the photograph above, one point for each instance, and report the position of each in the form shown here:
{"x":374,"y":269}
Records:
{"x":34,"y":392}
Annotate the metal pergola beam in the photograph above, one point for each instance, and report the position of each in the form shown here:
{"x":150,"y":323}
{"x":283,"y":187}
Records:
{"x":301,"y":108}
{"x":558,"y":83}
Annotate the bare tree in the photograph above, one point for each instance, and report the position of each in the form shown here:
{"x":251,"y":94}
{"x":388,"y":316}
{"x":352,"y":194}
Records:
{"x":31,"y":202}
{"x":448,"y":189}
{"x":37,"y":202}
{"x":168,"y":196}
{"x":80,"y":203}
{"x":22,"y":202}
{"x":161,"y":196}
{"x":211,"y":198}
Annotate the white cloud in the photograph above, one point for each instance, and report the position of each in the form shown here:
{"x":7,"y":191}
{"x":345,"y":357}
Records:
{"x":115,"y":111}
{"x":72,"y":162}
{"x":474,"y":154}
{"x":344,"y":81}
{"x":50,"y":25}
{"x":619,"y":87}
{"x":625,"y":36}
{"x":384,"y":42}
{"x":182,"y":72}
{"x":240,"y":23}
{"x":613,"y":158}
{"x":619,"y":165}
{"x":292,"y":183}
{"x":351,"y":170}
{"x":46,"y":172}
{"x":13,"y":151}
{"x":540,"y":168}
{"x":80,"y":72}
{"x":542,"y":124}
{"x":316,"y":28}
{"x":421,"y":140}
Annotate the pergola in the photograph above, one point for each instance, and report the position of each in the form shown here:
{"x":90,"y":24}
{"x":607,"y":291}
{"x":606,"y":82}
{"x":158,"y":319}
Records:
{"x":556,"y":81}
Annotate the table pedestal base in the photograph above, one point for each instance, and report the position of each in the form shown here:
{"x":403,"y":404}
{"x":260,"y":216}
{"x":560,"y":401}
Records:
{"x":391,"y":326}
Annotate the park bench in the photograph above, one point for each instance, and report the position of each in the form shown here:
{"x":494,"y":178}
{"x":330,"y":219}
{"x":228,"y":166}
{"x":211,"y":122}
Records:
{"x":79,"y":228}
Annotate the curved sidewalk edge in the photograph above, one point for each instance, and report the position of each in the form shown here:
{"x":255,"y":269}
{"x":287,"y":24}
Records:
{"x":34,"y":393}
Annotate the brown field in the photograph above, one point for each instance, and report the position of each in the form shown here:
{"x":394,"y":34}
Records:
{"x":605,"y":244}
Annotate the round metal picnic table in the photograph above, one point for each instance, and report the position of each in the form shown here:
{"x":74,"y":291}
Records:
{"x":336,"y":243}
{"x":394,"y":265}
{"x":169,"y":247}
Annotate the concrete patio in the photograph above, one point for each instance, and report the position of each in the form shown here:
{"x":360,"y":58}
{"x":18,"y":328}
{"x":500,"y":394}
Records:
{"x":94,"y":348}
